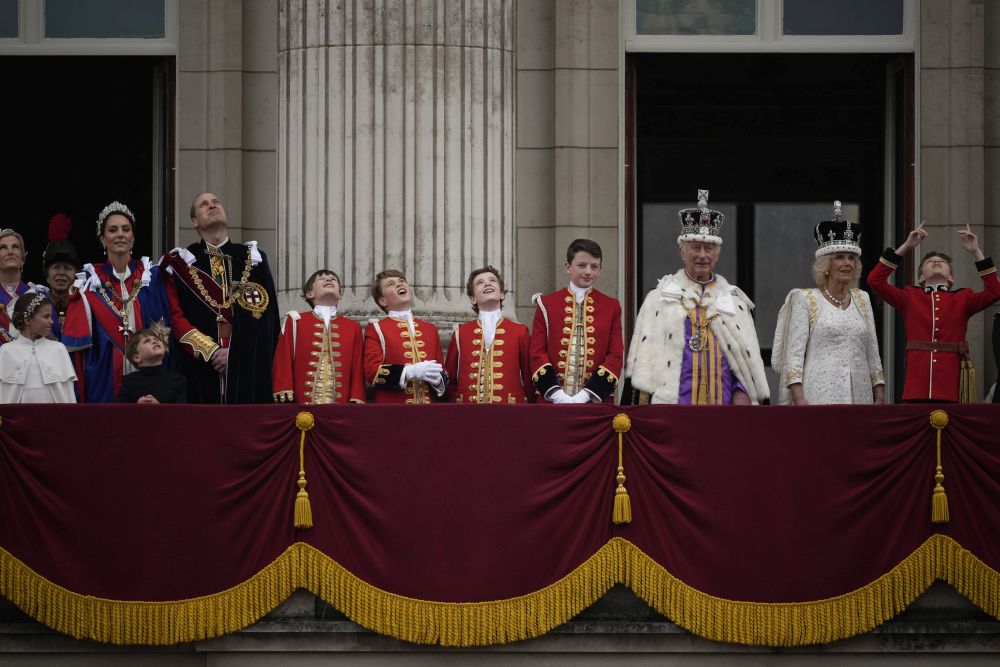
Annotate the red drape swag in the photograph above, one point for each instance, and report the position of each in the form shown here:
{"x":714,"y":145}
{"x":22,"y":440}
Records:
{"x":457,"y":503}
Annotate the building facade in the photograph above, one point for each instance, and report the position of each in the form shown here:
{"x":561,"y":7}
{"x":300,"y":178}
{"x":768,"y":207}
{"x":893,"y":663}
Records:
{"x":436,"y":136}
{"x":440,"y":135}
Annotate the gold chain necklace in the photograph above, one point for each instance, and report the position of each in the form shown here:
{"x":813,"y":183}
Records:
{"x":126,"y":302}
{"x":228,"y":301}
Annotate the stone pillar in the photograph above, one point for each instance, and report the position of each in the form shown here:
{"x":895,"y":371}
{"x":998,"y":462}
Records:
{"x":227,"y":83}
{"x":395,"y":146}
{"x":957,"y":131}
{"x":991,"y":245}
{"x":567,"y":140}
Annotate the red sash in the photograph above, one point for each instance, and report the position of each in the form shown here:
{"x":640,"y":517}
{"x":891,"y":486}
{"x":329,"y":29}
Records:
{"x":184,"y":274}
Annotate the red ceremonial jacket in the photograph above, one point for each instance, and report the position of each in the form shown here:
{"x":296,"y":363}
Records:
{"x":500,"y":374}
{"x":941,"y":317}
{"x":313,"y":364}
{"x":550,"y":341}
{"x":389,"y":347}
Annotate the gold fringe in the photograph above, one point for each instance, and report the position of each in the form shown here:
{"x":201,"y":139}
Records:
{"x":303,"y":517}
{"x":939,"y":501}
{"x":149,"y":623}
{"x":621,"y":512}
{"x":819,"y":621}
{"x":501,"y":621}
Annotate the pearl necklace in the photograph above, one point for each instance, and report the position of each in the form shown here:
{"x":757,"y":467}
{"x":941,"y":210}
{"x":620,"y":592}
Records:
{"x":839,"y":303}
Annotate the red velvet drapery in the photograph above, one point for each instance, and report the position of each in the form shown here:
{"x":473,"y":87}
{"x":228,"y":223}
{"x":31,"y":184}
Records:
{"x":471,"y":504}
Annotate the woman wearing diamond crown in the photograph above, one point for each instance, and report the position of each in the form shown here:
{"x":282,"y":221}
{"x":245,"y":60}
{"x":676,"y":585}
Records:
{"x":110,"y":301}
{"x":825,"y":349}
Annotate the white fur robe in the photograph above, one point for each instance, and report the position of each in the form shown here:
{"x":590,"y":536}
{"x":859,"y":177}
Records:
{"x":657,"y":350}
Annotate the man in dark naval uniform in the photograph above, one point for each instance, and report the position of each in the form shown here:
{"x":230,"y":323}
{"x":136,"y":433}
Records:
{"x":226,"y":292}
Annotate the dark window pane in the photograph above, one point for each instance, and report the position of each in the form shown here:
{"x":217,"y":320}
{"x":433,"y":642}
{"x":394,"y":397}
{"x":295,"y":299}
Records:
{"x":696,"y":17}
{"x":105,"y":18}
{"x":8,"y":19}
{"x":844,"y":17}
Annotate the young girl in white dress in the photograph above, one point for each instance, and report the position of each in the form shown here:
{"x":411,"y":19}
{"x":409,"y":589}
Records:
{"x":33,"y":368}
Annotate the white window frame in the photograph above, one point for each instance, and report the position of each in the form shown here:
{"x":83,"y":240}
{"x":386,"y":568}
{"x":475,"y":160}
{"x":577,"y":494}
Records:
{"x":31,"y":38}
{"x":770,"y":37}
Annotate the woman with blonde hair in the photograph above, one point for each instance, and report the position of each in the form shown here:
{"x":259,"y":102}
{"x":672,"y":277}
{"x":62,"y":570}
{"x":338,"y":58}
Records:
{"x":825,"y":348}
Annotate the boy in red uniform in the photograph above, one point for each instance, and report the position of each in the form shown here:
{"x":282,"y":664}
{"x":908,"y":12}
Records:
{"x":576,"y":339}
{"x":402,"y":353}
{"x":936,"y":317}
{"x":318,"y":358}
{"x":488,"y":356}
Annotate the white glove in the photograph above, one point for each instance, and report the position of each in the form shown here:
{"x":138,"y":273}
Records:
{"x":433,"y":378}
{"x":560,"y":396}
{"x":428,"y":371}
{"x":582,"y":396}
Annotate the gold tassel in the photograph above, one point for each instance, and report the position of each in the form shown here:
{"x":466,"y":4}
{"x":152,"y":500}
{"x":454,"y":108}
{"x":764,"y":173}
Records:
{"x":967,"y":383}
{"x":622,"y":512}
{"x":303,"y":510}
{"x":939,"y":501}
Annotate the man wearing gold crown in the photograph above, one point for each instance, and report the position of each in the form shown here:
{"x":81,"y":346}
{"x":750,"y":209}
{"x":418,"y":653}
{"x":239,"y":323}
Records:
{"x":695,"y":341}
{"x":225,"y":290}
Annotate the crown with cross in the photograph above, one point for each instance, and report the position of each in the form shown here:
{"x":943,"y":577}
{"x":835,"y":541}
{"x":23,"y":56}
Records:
{"x":701,"y":224}
{"x":837,"y":235}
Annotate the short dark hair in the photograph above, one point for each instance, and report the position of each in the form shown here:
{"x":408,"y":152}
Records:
{"x":583,"y":245}
{"x":312,"y":280}
{"x":476,"y":272}
{"x":935,"y":253}
{"x":377,"y":284}
{"x":26,"y":306}
{"x":132,"y":346}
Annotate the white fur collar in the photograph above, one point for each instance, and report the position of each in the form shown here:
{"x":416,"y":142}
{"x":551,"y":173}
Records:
{"x":678,"y":287}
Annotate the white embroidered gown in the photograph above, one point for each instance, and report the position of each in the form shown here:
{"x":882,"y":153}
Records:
{"x":832,"y":352}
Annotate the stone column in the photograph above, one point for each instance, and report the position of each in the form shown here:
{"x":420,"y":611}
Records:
{"x":395,"y":146}
{"x":957,"y":134}
{"x":567,"y":140}
{"x":227,"y":114}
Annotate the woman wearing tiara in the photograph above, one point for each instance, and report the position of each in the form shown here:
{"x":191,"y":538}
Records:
{"x":825,"y":349}
{"x":109,"y":302}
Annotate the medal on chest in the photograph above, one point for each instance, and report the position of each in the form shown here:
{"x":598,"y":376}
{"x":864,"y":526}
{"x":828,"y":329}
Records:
{"x":699,"y":328}
{"x":253,"y":297}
